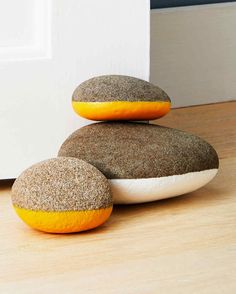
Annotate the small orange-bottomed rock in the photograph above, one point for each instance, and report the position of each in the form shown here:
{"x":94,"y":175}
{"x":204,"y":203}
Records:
{"x":62,"y":195}
{"x":115,"y":97}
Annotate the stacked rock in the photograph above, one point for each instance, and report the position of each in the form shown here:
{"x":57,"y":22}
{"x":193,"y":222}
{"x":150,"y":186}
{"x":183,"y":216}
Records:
{"x":143,"y":162}
{"x":118,"y":160}
{"x":115,"y":97}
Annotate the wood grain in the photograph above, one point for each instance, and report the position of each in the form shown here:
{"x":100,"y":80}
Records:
{"x":182,"y":245}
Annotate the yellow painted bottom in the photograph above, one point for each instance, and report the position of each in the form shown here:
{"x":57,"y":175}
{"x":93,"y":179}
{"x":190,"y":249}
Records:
{"x":64,"y":221}
{"x":121,"y":110}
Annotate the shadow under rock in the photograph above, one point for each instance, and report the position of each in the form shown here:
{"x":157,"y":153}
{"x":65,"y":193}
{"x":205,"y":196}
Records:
{"x":197,"y":199}
{"x":125,"y":213}
{"x":6,"y":184}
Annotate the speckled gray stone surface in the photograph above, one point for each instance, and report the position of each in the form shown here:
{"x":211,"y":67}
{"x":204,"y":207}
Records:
{"x":137,"y":150}
{"x":62,"y":184}
{"x":118,"y":88}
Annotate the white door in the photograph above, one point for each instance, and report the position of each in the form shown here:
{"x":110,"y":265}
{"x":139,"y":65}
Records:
{"x":46,"y":49}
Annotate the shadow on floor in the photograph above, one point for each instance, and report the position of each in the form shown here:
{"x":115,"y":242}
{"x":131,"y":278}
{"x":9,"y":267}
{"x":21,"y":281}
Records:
{"x":6,"y":184}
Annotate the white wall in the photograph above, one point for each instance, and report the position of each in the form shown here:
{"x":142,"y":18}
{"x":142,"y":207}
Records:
{"x":46,"y":49}
{"x":193,"y":53}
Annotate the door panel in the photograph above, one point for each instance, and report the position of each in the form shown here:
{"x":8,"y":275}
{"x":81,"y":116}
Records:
{"x":46,"y":49}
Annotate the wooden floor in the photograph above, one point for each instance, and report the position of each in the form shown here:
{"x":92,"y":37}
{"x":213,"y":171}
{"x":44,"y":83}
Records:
{"x":181,"y":245}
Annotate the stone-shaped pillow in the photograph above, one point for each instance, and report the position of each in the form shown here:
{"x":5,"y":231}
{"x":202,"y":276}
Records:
{"x":62,"y":195}
{"x":144,"y":162}
{"x":116,"y":97}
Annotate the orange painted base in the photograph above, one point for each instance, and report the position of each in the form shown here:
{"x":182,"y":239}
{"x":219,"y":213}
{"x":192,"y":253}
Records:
{"x":64,"y":221}
{"x":121,"y":110}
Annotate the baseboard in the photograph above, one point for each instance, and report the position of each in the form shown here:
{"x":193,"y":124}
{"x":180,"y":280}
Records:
{"x":193,"y":53}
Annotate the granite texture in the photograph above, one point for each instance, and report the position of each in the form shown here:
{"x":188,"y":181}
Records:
{"x":61,"y":184}
{"x":136,"y":150}
{"x":118,"y":88}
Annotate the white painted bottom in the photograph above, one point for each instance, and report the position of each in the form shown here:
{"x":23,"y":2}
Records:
{"x":127,"y":191}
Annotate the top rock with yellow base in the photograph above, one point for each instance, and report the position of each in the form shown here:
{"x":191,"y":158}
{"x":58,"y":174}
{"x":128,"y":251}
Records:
{"x":117,"y":97}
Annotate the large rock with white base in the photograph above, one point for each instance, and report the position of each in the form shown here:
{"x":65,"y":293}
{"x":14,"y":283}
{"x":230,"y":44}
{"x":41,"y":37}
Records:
{"x":144,"y":162}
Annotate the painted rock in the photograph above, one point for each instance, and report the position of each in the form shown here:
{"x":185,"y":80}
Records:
{"x":144,"y":162}
{"x":115,"y":97}
{"x":62,"y":195}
